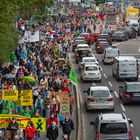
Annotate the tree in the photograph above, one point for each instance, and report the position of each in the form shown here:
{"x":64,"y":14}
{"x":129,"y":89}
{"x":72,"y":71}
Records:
{"x":8,"y":11}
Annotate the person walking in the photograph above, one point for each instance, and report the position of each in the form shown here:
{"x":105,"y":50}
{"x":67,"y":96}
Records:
{"x":30,"y":131}
{"x":13,"y":127}
{"x":52,"y":132}
{"x":67,"y":126}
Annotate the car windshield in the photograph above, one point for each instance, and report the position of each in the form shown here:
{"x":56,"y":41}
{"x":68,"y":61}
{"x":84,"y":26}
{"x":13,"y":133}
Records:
{"x":118,"y":34}
{"x":88,"y":60}
{"x":135,"y":25}
{"x":83,"y":52}
{"x":113,"y":128}
{"x":91,"y":68}
{"x":104,"y":44}
{"x":133,"y":87}
{"x":100,"y":93}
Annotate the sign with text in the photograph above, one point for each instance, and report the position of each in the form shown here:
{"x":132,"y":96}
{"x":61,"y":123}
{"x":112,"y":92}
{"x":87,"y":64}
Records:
{"x":64,"y":104}
{"x":26,"y":98}
{"x":10,"y":95}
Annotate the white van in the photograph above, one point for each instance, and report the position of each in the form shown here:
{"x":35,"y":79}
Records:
{"x":125,"y":67}
{"x":109,"y":54}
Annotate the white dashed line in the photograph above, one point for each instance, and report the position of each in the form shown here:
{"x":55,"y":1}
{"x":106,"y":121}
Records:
{"x":101,"y":68}
{"x":137,"y":138}
{"x":122,"y":107}
{"x":110,"y":84}
{"x":131,"y":125}
{"x":116,"y":94}
{"x":105,"y":75}
{"x":139,"y":76}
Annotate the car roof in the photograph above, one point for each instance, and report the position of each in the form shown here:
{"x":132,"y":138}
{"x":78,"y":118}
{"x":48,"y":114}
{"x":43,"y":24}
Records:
{"x":122,"y":58}
{"x":131,"y":83}
{"x":99,"y":87}
{"x":93,"y":57}
{"x":88,"y":49}
{"x":91,"y":64}
{"x":113,"y":116}
{"x":82,"y":45}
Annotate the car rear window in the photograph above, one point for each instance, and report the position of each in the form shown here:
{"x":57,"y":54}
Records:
{"x":83,"y":52}
{"x":133,"y":87}
{"x":113,"y":128}
{"x":100,"y":93}
{"x":104,"y":44}
{"x":91,"y":68}
{"x":89,"y":60}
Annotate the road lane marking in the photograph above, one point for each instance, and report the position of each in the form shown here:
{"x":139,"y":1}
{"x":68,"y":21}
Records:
{"x":116,"y":94}
{"x":101,"y":68}
{"x":137,"y":138}
{"x":139,"y":76}
{"x":105,"y":75}
{"x":110,"y":84}
{"x":131,"y":123}
{"x":122,"y":107}
{"x":139,"y":49}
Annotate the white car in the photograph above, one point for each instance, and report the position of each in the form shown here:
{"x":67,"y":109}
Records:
{"x":91,"y":72}
{"x":98,"y":97}
{"x":79,"y":46}
{"x":88,"y":60}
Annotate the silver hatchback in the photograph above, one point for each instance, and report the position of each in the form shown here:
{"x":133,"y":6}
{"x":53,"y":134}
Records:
{"x":112,"y":126}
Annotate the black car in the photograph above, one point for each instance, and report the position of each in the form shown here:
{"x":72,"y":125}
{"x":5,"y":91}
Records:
{"x":131,"y":32}
{"x":130,"y":92}
{"x":120,"y":36}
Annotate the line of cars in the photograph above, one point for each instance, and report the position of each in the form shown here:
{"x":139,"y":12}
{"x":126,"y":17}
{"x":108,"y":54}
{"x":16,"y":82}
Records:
{"x":110,"y":126}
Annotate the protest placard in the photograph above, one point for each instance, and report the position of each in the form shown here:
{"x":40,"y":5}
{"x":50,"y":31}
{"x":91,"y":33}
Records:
{"x":26,"y":98}
{"x":10,"y":95}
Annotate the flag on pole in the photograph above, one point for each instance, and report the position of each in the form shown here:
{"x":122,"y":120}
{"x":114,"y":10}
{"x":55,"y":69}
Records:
{"x":72,"y":76}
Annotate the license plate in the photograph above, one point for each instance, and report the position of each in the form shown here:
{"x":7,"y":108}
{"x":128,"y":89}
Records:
{"x":91,"y":74}
{"x":136,"y":94}
{"x":100,"y":101}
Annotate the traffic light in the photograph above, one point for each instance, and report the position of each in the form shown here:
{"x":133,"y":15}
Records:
{"x":82,"y":1}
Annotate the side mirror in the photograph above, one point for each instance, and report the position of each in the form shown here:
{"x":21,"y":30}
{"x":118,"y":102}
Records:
{"x":130,"y":121}
{"x":92,"y":123}
{"x":85,"y":91}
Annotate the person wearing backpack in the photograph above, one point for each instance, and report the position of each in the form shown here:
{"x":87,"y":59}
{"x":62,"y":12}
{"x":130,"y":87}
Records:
{"x":30,"y":131}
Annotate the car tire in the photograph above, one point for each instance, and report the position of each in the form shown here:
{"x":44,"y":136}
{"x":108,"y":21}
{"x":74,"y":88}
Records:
{"x":86,"y":107}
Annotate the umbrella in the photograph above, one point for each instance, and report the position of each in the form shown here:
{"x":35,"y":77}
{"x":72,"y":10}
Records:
{"x":29,"y":79}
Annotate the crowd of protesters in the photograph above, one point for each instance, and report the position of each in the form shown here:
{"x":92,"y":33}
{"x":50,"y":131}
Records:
{"x":48,"y":63}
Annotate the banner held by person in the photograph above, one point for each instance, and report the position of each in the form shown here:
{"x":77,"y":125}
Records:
{"x":26,"y":98}
{"x":11,"y":95}
{"x":64,"y":104}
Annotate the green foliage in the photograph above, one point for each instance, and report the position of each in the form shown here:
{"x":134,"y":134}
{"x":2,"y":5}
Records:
{"x":8,"y":11}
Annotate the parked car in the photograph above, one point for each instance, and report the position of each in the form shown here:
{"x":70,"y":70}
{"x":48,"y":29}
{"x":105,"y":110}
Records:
{"x":130,"y":92}
{"x":112,"y":126}
{"x":88,"y":60}
{"x":82,"y":52}
{"x":120,"y":36}
{"x":101,"y":46}
{"x":76,"y":42}
{"x":98,"y":97}
{"x":90,"y":72}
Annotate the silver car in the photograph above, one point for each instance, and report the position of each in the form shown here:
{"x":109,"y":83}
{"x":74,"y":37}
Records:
{"x":99,"y":97}
{"x":112,"y":126}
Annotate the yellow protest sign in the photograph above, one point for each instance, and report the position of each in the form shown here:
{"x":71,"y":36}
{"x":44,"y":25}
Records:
{"x":26,"y":98}
{"x":10,"y":95}
{"x":39,"y":123}
{"x":64,"y":104}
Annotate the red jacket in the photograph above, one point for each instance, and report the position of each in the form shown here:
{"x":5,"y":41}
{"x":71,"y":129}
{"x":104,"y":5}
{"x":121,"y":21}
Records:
{"x":30,"y":132}
{"x":50,"y":120}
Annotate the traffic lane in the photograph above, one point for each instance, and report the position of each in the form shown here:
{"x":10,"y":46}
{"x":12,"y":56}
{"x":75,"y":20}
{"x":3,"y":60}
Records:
{"x":90,"y":116}
{"x":129,"y":110}
{"x":130,"y":47}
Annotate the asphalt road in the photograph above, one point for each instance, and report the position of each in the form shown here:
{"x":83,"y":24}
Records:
{"x":130,"y":48}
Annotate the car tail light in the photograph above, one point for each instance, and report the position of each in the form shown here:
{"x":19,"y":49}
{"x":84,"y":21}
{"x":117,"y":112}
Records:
{"x":91,"y":100}
{"x":77,"y":54}
{"x":110,"y":99}
{"x":97,"y":135}
{"x":130,"y":135}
